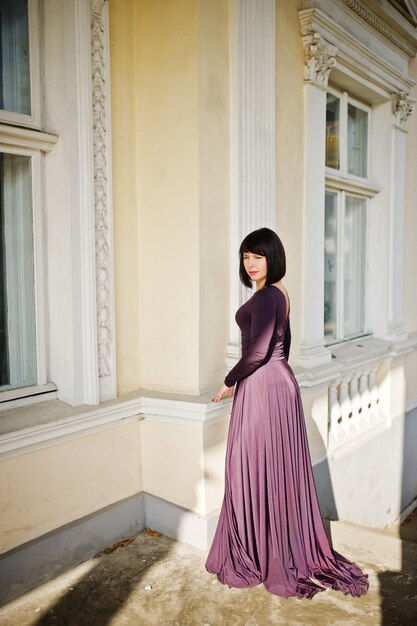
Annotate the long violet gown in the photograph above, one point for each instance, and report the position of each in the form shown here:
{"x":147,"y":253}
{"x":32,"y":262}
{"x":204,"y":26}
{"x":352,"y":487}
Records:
{"x":270,"y":529}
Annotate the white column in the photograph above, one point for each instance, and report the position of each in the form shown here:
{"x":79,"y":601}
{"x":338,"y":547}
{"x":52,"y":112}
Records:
{"x":402,"y":107}
{"x":319,"y":58}
{"x":252,"y":135}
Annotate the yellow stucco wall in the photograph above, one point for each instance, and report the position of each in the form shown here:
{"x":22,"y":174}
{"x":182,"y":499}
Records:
{"x":170,"y":119}
{"x":125,"y":214}
{"x":45,"y":489}
{"x":289,"y":156}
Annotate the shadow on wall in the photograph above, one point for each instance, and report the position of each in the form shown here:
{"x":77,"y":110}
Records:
{"x":323,"y":483}
{"x":398,"y":589}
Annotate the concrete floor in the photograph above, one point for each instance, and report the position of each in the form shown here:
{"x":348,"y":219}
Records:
{"x":157,"y":581}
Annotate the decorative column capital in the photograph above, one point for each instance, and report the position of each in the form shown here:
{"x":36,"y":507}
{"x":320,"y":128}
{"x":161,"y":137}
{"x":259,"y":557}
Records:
{"x":319,"y":59}
{"x":402,"y":108}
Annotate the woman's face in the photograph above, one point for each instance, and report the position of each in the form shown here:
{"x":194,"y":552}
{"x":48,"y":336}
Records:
{"x":255,"y":265}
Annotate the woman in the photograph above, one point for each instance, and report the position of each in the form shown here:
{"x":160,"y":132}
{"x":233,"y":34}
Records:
{"x":270,"y":528}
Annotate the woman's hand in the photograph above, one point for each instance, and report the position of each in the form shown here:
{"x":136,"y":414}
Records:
{"x":221,"y":391}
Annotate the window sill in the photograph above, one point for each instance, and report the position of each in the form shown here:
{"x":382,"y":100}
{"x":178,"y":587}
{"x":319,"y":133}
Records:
{"x":19,"y":137}
{"x":337,"y":182}
{"x":350,"y":355}
{"x":20,"y":396}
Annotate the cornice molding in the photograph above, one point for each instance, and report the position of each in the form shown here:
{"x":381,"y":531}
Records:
{"x":368,"y":16}
{"x":352,"y":57}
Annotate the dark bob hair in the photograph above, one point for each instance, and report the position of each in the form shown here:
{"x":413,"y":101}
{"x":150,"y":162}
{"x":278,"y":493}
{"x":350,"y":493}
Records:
{"x":264,"y":242}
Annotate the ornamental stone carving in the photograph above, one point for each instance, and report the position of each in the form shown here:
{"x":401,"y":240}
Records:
{"x":101,"y":188}
{"x":319,"y":59}
{"x":402,"y":108}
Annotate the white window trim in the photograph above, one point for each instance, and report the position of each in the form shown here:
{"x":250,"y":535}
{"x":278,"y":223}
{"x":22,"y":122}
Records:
{"x":372,"y":69}
{"x":336,"y":182}
{"x":33,"y":120}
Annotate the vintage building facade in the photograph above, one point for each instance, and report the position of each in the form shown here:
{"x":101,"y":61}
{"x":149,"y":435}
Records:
{"x":140,"y":141}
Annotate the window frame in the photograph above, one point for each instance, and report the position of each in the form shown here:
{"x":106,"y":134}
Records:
{"x":342,"y":183}
{"x":341,"y":209}
{"x":34,"y":119}
{"x":39,"y":265}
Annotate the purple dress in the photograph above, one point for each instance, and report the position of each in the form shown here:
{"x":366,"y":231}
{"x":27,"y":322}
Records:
{"x":270,"y":528}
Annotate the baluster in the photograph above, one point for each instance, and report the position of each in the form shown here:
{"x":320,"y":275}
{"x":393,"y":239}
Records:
{"x":334,"y":412}
{"x":364,"y":394}
{"x":345,"y":406}
{"x":355,"y":400}
{"x":373,"y":392}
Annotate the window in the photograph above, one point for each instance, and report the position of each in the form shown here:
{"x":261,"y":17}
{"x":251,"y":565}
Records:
{"x":17,"y":297}
{"x":347,"y":132}
{"x":345,"y":222}
{"x":22,"y":333}
{"x":19,"y":63}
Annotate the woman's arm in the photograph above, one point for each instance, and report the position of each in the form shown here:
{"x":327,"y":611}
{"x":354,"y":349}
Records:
{"x":262,"y":328}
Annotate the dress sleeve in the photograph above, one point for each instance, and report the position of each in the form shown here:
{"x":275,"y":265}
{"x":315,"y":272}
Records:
{"x":287,"y":340}
{"x":263,"y":318}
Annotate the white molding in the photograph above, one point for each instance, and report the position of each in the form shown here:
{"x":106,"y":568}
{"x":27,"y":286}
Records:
{"x":336,"y":182}
{"x":80,"y":44}
{"x":69,"y":202}
{"x":402,"y":108}
{"x":313,"y":351}
{"x":25,"y":138}
{"x":106,"y":332}
{"x":195,"y":413}
{"x":346,"y":361}
{"x":256,"y":115}
{"x":381,"y":26}
{"x":112,"y":414}
{"x":21,"y":396}
{"x":355,"y":60}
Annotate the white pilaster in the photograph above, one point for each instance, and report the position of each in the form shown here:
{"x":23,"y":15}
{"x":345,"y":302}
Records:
{"x":402,"y":107}
{"x":252,"y":123}
{"x":69,"y":201}
{"x":319,"y":58}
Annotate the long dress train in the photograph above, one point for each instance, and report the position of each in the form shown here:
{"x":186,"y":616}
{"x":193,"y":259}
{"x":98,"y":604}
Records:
{"x":270,"y":528}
